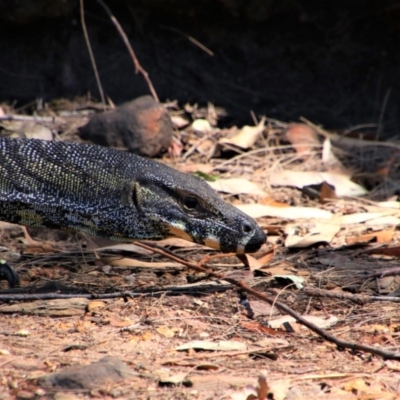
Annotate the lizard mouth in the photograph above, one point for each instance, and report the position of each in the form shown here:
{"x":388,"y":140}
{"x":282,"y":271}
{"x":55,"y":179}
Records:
{"x":253,"y":247}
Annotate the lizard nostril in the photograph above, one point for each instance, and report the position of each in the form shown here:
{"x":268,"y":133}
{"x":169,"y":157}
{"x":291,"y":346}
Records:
{"x":247,"y":227}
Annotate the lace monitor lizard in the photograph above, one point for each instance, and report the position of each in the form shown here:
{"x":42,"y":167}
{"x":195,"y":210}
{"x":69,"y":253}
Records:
{"x":116,"y":195}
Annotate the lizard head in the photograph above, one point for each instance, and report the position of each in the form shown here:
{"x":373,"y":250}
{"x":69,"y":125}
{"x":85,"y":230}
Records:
{"x":185,"y":206}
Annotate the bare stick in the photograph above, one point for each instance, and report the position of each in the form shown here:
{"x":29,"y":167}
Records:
{"x":33,"y":118}
{"x":358,"y":299}
{"x":279,"y":305}
{"x":92,"y":59}
{"x":190,"y":38}
{"x":138,"y":67}
{"x":380,"y":122}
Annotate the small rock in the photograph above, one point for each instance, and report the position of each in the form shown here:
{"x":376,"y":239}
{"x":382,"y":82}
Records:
{"x":105,"y":371}
{"x":25,"y":395}
{"x":40,"y":392}
{"x":142,"y":125}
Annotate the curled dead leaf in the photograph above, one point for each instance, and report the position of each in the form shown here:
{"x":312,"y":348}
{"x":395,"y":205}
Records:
{"x":247,"y":136}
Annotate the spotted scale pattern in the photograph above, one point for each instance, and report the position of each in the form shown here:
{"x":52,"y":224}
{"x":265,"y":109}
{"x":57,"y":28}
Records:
{"x":113,"y":194}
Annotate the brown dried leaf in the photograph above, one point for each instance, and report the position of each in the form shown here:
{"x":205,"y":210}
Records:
{"x":304,"y":139}
{"x":163,"y":330}
{"x":255,"y":326}
{"x":95,"y":305}
{"x":317,"y":232}
{"x":384,"y":236}
{"x":387,"y":251}
{"x":121,"y":263}
{"x":300,"y":179}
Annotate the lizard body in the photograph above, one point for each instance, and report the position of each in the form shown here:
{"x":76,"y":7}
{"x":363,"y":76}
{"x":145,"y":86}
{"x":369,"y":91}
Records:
{"x":117,"y":195}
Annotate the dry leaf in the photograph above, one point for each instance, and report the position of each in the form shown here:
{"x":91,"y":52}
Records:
{"x":266,"y":258}
{"x":252,"y":263}
{"x":389,"y":204}
{"x":296,"y":280}
{"x":393,"y":365}
{"x":271,"y":342}
{"x":342,"y":183}
{"x":247,"y":136}
{"x":357,"y":385}
{"x":279,"y":389}
{"x":178,"y":121}
{"x":118,"y":262}
{"x":95,"y":305}
{"x":329,"y":160}
{"x":163,"y":330}
{"x":174,"y":379}
{"x":263,"y":389}
{"x":217,"y":346}
{"x":201,"y":125}
{"x":317,"y":232}
{"x":259,"y":210}
{"x":282,"y":269}
{"x":176,"y":242}
{"x":360,"y":217}
{"x":257,"y":308}
{"x":385,"y":236}
{"x":247,"y":393}
{"x":304,"y":139}
{"x":125,"y":247}
{"x":268,"y":201}
{"x":388,"y":220}
{"x":326,"y":192}
{"x":39,"y":248}
{"x":195,"y":167}
{"x":386,"y":251}
{"x":277,"y":323}
{"x":28,"y":129}
{"x":255,"y":326}
{"x":236,"y":186}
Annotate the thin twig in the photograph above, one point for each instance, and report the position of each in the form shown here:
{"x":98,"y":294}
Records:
{"x":28,"y":118}
{"x":91,"y":55}
{"x":151,"y":292}
{"x":358,"y":299}
{"x":380,"y":121}
{"x":279,"y":305}
{"x":138,"y":67}
{"x":191,"y":38}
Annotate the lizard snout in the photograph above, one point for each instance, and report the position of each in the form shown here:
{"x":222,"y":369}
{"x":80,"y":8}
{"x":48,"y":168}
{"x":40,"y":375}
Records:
{"x":254,"y":237}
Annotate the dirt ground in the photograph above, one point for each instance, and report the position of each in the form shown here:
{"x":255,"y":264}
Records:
{"x":177,"y":333}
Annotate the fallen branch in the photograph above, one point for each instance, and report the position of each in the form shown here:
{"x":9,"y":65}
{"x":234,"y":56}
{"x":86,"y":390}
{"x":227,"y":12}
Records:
{"x":355,"y":298}
{"x":27,"y":118}
{"x":153,"y":292}
{"x":279,"y":305}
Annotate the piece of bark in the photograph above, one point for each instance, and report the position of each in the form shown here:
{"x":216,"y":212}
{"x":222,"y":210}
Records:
{"x":48,"y":308}
{"x":143,"y":126}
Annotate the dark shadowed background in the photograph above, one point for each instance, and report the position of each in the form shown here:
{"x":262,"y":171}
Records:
{"x":336,"y":63}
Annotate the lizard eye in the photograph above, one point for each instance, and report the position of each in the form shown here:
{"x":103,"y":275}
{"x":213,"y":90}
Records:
{"x":190,"y":202}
